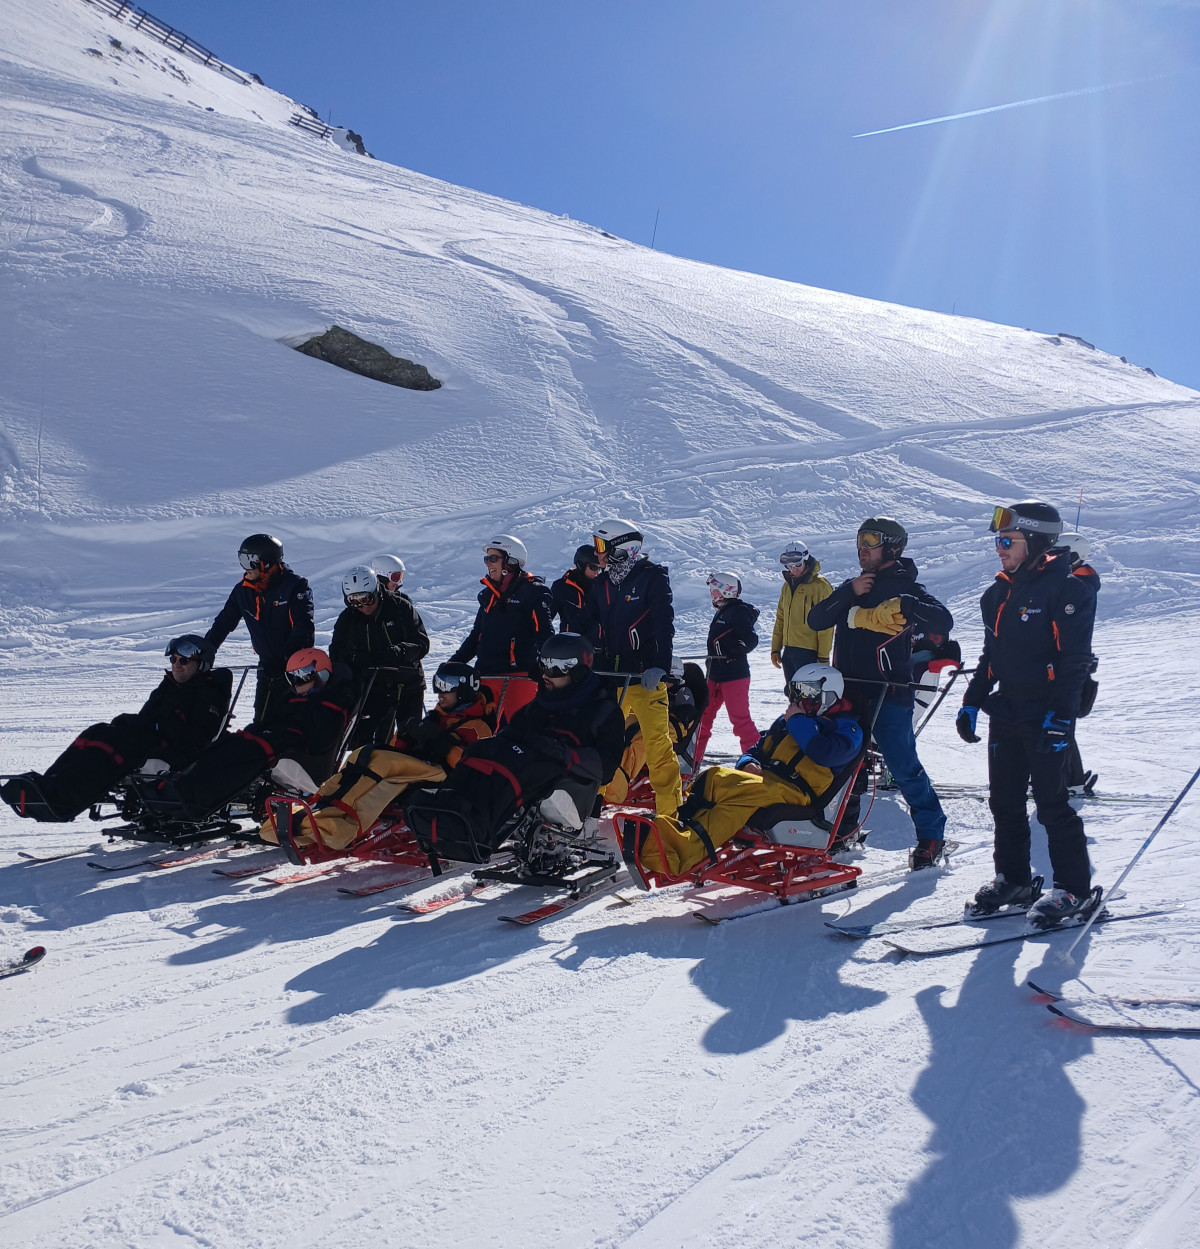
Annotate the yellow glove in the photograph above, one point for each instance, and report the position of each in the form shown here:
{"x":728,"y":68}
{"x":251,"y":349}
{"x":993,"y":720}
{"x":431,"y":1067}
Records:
{"x":886,"y":618}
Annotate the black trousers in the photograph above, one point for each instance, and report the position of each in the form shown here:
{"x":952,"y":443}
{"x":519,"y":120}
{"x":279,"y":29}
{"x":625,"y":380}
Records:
{"x":1014,"y":766}
{"x":271,"y":689}
{"x":385,"y":708}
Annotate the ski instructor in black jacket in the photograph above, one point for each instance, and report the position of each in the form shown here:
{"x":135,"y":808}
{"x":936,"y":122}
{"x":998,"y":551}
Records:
{"x":1037,"y":645}
{"x":876,"y":614}
{"x":277,"y":607}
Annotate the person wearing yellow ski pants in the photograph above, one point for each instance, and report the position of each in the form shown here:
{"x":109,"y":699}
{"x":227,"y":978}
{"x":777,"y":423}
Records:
{"x":649,"y":708}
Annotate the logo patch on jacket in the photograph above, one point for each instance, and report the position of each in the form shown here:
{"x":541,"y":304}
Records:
{"x":1026,"y":612}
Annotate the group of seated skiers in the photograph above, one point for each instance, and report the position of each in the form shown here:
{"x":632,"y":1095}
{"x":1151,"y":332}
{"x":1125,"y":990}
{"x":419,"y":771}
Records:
{"x":530,"y":716}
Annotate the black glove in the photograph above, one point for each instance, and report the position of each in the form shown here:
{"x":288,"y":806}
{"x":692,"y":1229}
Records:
{"x":1055,"y":735}
{"x":965,"y":723}
{"x":549,"y":748}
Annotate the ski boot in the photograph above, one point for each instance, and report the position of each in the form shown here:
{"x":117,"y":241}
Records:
{"x":926,"y":853}
{"x":1059,"y":907}
{"x":855,"y":839}
{"x":1002,"y":894}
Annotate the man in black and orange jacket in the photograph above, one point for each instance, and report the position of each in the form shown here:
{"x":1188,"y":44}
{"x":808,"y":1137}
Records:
{"x":277,"y":607}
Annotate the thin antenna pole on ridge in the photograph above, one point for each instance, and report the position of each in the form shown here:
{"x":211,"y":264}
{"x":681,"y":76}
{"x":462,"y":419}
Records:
{"x":1079,"y":509}
{"x":654,"y":234}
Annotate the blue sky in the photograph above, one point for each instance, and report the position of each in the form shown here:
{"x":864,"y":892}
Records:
{"x":734,"y":121}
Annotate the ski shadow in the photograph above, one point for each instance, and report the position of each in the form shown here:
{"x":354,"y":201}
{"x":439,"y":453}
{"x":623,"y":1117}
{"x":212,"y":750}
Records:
{"x":411,"y":954}
{"x":1007,"y":1121}
{"x":765,"y":971}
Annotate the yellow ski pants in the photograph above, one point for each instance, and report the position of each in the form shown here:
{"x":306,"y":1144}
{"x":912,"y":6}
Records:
{"x":649,"y":709}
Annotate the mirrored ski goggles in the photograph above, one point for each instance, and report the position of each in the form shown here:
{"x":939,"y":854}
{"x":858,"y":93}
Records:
{"x":249,"y":562}
{"x":795,"y":558}
{"x":608,"y":546}
{"x":183,"y":652}
{"x":445,"y":684}
{"x":1006,"y":518}
{"x":871,"y":538}
{"x":803,"y":692}
{"x":360,"y":600}
{"x":298,"y":676}
{"x":558,"y":667}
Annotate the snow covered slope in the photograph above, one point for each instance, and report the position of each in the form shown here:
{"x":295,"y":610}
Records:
{"x":204,"y":1063}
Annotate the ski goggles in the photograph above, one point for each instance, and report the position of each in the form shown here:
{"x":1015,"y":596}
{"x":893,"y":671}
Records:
{"x":361,"y":599}
{"x":797,"y":557}
{"x":558,"y":667}
{"x":183,"y":652}
{"x":299,"y":676}
{"x":1008,"y":518}
{"x":443,"y":684}
{"x":608,"y":546}
{"x":872,"y":538}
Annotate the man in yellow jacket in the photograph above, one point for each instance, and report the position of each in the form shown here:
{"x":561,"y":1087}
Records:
{"x":793,"y":643}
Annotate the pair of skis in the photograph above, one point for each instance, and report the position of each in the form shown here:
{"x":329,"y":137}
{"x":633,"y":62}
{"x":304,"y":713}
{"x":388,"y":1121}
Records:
{"x":469,"y":888}
{"x":1174,"y":1016}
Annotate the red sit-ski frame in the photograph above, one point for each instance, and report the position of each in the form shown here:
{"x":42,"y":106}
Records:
{"x":388,"y":840}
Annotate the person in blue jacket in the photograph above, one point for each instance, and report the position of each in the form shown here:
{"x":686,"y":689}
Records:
{"x":1037,"y":648}
{"x":277,"y":607}
{"x":875,"y":615}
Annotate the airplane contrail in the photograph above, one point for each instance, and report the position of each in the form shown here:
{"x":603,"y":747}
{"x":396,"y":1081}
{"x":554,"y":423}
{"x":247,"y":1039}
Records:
{"x":999,"y":108}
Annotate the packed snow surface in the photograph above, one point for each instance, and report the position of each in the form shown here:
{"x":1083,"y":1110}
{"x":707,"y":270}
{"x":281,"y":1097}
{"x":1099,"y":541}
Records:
{"x":200,"y":1061}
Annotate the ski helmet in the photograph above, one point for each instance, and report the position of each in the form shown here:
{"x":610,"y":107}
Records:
{"x":513,"y":549}
{"x":724,"y":585}
{"x":794,"y":555}
{"x":1038,"y":522}
{"x":360,"y":585}
{"x":815,"y":687}
{"x":260,"y":549}
{"x":388,"y":565}
{"x":308,"y":663}
{"x":585,"y":555}
{"x":567,"y":654}
{"x":885,"y":532}
{"x":192,"y":646}
{"x":1077,"y":544}
{"x":618,"y":539}
{"x":460,"y":678}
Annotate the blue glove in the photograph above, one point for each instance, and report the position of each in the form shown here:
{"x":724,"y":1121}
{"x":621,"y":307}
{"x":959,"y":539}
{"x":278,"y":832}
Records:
{"x":652,"y":678}
{"x":965,"y":723}
{"x":1055,"y":734}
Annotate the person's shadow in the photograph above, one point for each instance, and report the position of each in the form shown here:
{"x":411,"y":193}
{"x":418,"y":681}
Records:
{"x":1007,"y":1120}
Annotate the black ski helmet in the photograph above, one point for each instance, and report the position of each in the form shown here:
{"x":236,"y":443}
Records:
{"x":567,"y":654}
{"x":459,"y":677}
{"x":193,"y":646}
{"x":260,"y":548}
{"x":1039,"y":523}
{"x":893,"y":537}
{"x":584,"y":555}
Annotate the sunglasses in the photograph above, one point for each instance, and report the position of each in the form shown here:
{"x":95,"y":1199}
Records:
{"x":179,"y":660}
{"x":360,"y":600}
{"x":1004,"y":542}
{"x":871,"y":539}
{"x":494,"y":559}
{"x":594,"y":567}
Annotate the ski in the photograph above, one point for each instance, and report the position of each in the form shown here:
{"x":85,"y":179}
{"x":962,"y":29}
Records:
{"x":198,"y":857}
{"x":981,"y":792}
{"x":557,"y":907}
{"x":934,"y":942}
{"x":439,"y":902}
{"x":29,"y":960}
{"x":1165,"y":1016}
{"x":739,"y":908}
{"x":1140,"y":1000}
{"x":365,"y":891}
{"x":236,"y":873}
{"x":54,"y":858}
{"x":311,"y":872}
{"x":123,"y":867}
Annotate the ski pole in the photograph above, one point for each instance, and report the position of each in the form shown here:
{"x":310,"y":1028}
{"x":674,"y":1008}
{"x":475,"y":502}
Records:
{"x":1066,"y":956}
{"x":937,"y":702}
{"x":233,"y":704}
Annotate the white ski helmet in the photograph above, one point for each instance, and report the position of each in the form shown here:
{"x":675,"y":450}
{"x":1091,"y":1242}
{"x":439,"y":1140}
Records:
{"x":513,"y":548}
{"x":795,"y":553}
{"x":388,"y":565}
{"x":1077,"y":544}
{"x":724,"y":585}
{"x":618,"y":539}
{"x":816,"y":682}
{"x":361,"y":579}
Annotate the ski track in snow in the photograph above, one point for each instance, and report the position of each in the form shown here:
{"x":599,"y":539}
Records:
{"x":219,"y":1062}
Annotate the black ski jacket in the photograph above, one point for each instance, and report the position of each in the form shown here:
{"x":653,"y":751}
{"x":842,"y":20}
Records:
{"x":181,"y":720}
{"x":731,"y":637}
{"x":1037,"y":641}
{"x":583,"y":723}
{"x":634,"y":622}
{"x":570,"y":595}
{"x":509,"y":627}
{"x":868,"y":655}
{"x":311,"y":723}
{"x":279,"y":616}
{"x":393,"y":637}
